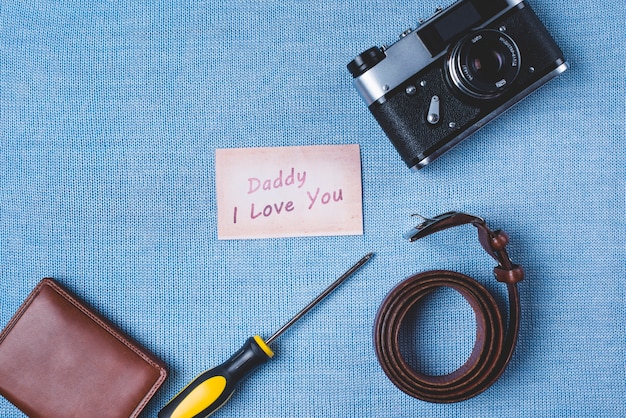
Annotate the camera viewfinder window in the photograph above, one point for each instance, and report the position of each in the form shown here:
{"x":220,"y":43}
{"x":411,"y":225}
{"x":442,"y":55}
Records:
{"x":457,"y":21}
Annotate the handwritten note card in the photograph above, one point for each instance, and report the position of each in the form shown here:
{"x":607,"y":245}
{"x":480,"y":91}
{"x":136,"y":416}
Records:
{"x":288,"y":191}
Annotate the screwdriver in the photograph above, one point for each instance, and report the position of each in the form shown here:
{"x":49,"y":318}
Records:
{"x":212,"y":389}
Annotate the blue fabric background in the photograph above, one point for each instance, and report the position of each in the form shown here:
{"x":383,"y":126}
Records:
{"x":110,"y":112}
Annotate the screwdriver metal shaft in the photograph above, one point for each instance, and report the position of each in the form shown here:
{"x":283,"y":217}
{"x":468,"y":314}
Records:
{"x":318,"y":299}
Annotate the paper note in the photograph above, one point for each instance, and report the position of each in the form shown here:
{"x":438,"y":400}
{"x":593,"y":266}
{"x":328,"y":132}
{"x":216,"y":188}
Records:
{"x":288,"y":191}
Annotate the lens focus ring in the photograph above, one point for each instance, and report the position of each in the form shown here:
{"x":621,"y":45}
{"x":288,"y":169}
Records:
{"x":484,"y":64}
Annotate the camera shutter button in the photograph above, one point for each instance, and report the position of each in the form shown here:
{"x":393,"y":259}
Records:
{"x":433,"y":111}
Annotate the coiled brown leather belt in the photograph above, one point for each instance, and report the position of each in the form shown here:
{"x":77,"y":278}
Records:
{"x":495,"y":341}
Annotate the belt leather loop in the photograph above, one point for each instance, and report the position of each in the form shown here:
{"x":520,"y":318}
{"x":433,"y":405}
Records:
{"x":495,"y":338}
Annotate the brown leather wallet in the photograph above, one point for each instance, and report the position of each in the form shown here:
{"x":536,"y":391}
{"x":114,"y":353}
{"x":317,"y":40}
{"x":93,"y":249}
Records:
{"x":59,"y":358}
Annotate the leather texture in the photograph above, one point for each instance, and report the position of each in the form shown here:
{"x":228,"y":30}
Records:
{"x":495,"y":341}
{"x":58,"y":358}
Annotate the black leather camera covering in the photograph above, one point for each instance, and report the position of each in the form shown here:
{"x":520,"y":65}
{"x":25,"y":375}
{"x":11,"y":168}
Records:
{"x":403,"y":116}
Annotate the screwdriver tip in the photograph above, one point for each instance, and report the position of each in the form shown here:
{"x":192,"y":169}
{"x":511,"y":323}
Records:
{"x":368,"y":256}
{"x":358,"y":264}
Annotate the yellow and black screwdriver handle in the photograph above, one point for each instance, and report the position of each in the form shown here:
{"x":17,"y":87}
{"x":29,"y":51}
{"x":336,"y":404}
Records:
{"x":213,"y":388}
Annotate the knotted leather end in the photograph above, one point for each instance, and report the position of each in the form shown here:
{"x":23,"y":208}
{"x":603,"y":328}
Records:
{"x":499,"y":240}
{"x":512,"y":276}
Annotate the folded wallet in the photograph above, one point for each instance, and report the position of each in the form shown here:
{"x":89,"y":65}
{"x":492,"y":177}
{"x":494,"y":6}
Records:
{"x":59,"y":358}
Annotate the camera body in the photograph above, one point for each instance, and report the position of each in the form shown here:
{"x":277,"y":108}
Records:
{"x":459,"y":70}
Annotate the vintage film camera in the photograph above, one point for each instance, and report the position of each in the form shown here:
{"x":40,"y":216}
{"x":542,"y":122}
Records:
{"x":459,"y":70}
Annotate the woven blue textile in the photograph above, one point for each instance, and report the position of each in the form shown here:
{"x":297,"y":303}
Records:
{"x":110,"y":113}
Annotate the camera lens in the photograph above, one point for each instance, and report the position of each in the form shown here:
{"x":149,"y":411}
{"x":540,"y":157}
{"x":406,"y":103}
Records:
{"x":484,"y":64}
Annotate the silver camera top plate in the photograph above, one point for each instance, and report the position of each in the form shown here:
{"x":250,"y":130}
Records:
{"x":404,"y":59}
